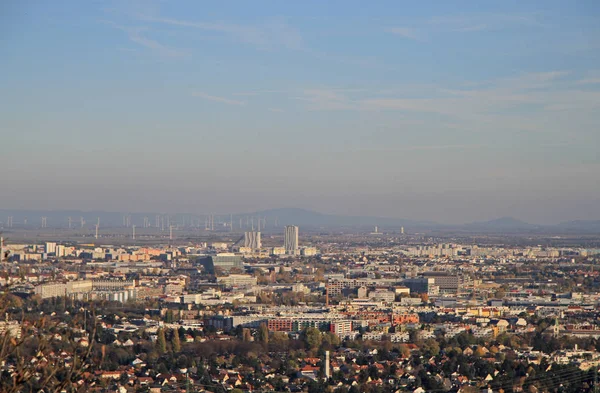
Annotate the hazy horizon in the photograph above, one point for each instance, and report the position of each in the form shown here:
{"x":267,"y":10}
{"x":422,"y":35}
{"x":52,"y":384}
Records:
{"x":223,"y":216}
{"x":442,"y":112}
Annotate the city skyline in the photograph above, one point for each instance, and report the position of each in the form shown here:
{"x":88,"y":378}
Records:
{"x":445,"y":112}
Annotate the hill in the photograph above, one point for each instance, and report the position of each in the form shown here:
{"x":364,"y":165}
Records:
{"x":503,"y":224}
{"x":304,"y":217}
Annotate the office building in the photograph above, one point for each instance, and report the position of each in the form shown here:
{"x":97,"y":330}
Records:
{"x":237,"y":280}
{"x":447,"y":283}
{"x":290,"y":242}
{"x":222,"y":262}
{"x":422,"y":285}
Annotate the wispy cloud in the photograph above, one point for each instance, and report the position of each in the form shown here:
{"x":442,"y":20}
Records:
{"x":589,"y":81}
{"x":466,"y":29}
{"x":482,"y":21}
{"x":465,"y":23}
{"x":426,"y":148}
{"x":405,"y":32}
{"x":325,"y":99}
{"x":522,"y":103}
{"x":276,"y":33}
{"x":138,"y":36}
{"x":222,"y":100}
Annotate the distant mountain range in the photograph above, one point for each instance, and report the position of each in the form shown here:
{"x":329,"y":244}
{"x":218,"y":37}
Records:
{"x":512,"y":225}
{"x":289,"y":216}
{"x":303,"y":217}
{"x":502,"y":224}
{"x":581,"y":226}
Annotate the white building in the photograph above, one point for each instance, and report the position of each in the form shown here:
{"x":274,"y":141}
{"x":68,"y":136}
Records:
{"x":234,"y":280}
{"x":50,"y":247}
{"x":383,"y":295}
{"x":278,"y":251}
{"x":308,"y":251}
{"x":290,"y":242}
{"x":252,"y":240}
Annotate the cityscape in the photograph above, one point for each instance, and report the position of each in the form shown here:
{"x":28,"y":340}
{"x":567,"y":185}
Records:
{"x":264,"y":307}
{"x":300,"y":196}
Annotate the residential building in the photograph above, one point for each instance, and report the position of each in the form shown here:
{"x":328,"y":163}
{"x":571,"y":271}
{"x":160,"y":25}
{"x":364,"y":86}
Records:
{"x":252,"y":240}
{"x":291,"y":240}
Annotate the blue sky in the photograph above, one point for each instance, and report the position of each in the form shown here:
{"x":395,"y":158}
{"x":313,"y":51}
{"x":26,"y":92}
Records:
{"x":448,"y":111}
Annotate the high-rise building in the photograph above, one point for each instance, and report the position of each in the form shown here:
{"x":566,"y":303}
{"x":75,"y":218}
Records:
{"x":290,"y":242}
{"x":50,"y":248}
{"x":252,"y":240}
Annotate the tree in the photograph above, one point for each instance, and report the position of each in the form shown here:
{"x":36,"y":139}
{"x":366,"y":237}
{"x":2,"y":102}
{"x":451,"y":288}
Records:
{"x":183,"y":361}
{"x":480,"y":351}
{"x":161,"y":341}
{"x":169,"y":316}
{"x":431,"y":347}
{"x":246,"y":335}
{"x":34,"y":343}
{"x":404,"y":351}
{"x":312,"y":338}
{"x":332,"y":339}
{"x":176,"y":342}
{"x":263,"y":333}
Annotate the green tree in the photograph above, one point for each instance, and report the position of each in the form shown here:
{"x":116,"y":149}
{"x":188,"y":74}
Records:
{"x":312,"y":338}
{"x":431,"y":347}
{"x":169,"y":316}
{"x":263,"y":333}
{"x":176,"y":342}
{"x":331,"y":338}
{"x":161,"y":341}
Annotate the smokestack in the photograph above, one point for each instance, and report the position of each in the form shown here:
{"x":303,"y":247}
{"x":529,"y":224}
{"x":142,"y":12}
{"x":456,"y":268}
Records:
{"x":327,"y":365}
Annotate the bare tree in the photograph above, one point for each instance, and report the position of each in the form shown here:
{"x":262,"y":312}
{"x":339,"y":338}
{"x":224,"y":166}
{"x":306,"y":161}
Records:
{"x":28,"y":360}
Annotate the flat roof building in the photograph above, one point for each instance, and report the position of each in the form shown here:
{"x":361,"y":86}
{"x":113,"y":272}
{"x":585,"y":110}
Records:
{"x":291,"y":240}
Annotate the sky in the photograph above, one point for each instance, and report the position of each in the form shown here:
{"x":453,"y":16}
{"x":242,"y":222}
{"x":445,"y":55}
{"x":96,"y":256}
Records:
{"x":448,"y":111}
